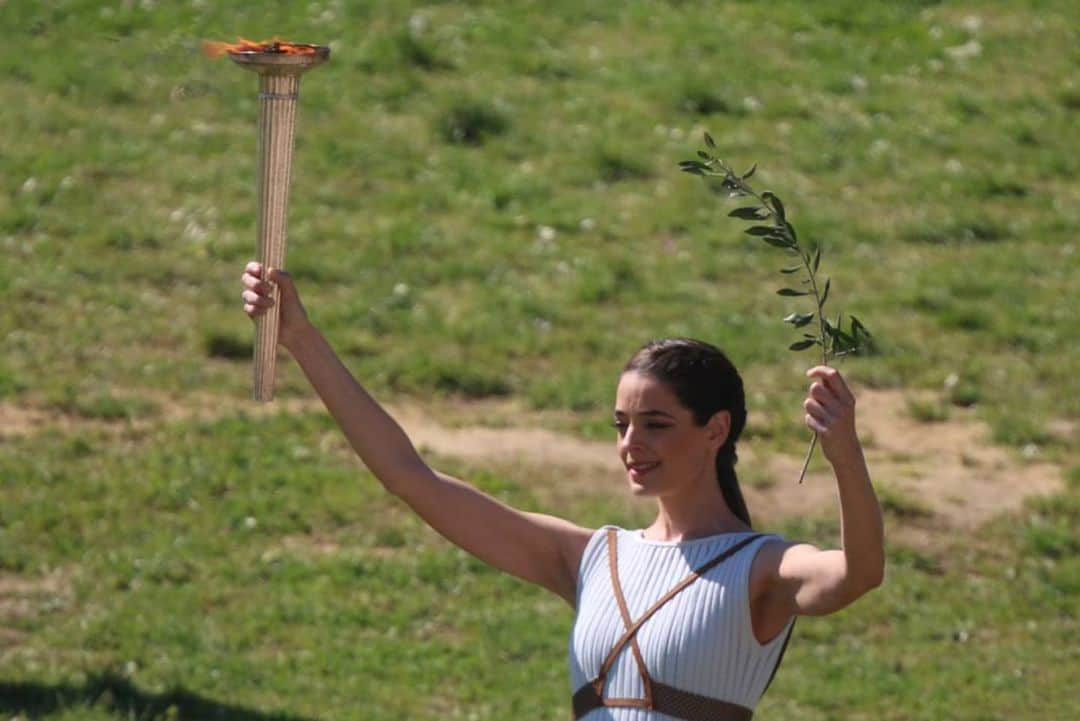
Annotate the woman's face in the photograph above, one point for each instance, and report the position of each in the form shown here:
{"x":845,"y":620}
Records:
{"x":663,"y":450}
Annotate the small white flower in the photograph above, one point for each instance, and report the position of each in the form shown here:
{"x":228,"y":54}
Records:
{"x":951,"y":380}
{"x":587,"y":224}
{"x":401,"y":289}
{"x":250,"y":522}
{"x":30,"y":185}
{"x":195,"y":232}
{"x":545,"y":233}
{"x":970,"y":49}
{"x":751,"y":103}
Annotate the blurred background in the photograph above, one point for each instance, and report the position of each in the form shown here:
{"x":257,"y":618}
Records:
{"x":486,"y":220}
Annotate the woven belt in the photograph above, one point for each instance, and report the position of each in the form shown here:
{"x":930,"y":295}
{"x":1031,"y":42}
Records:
{"x":666,"y":700}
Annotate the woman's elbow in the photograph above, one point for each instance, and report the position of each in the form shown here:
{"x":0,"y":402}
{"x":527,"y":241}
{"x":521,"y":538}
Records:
{"x":868,"y":580}
{"x":857,"y":585}
{"x":405,"y":478}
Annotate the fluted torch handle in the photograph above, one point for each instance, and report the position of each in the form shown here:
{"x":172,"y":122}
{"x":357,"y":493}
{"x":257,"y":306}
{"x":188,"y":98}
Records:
{"x":266,"y":341}
{"x":277,"y":126}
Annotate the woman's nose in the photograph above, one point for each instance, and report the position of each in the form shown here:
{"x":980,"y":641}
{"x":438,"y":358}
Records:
{"x":630,"y":439}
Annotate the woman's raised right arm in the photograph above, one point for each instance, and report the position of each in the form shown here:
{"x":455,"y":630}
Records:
{"x":536,"y":547}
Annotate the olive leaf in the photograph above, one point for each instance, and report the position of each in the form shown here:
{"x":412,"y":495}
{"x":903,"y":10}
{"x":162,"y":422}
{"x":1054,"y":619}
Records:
{"x":799,"y":319}
{"x":835,"y":341}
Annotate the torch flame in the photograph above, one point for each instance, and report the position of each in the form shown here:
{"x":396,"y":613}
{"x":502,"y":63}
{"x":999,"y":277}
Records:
{"x":215,"y":49}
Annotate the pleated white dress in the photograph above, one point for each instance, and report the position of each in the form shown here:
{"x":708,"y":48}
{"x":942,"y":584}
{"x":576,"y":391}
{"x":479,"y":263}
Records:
{"x":700,"y":641}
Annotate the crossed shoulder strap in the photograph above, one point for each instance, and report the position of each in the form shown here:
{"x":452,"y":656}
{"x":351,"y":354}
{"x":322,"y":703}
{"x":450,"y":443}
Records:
{"x":658,"y":696}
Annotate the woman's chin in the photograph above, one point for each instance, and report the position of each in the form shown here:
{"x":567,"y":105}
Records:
{"x":639,"y":488}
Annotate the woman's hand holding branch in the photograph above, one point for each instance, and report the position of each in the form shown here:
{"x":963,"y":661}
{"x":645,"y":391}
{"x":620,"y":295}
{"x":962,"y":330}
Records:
{"x":830,"y":412}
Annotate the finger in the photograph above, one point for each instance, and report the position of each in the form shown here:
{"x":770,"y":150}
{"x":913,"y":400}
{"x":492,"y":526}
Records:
{"x":818,"y":411}
{"x":827,"y":397}
{"x":254,"y":311}
{"x":284,"y":283}
{"x":834,"y":380}
{"x":252,"y":282}
{"x":254,"y":267}
{"x":276,"y":275}
{"x":252,"y":298}
{"x":814,"y":425}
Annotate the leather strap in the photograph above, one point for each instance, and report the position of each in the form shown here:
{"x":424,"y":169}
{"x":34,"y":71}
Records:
{"x":632,"y":629}
{"x":613,"y":565}
{"x":669,"y":701}
{"x":780,"y":657}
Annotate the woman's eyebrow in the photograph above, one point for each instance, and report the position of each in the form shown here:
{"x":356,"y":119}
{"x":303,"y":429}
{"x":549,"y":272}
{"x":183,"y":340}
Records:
{"x":646,"y":413}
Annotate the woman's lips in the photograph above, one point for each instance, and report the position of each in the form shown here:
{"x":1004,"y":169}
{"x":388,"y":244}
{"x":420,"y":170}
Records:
{"x":637,"y":470}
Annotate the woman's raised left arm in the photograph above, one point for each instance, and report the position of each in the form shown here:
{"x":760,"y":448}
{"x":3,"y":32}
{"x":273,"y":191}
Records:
{"x":802,"y":579}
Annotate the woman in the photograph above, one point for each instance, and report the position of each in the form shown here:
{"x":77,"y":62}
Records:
{"x":685,"y":619}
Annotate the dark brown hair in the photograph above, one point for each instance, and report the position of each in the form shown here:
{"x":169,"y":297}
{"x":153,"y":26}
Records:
{"x":705,"y":382}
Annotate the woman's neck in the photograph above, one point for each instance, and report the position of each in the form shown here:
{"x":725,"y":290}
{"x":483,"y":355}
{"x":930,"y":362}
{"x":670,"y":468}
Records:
{"x":682,"y":518}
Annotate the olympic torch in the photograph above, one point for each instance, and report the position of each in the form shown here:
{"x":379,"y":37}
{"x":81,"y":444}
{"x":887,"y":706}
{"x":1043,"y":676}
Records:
{"x":279,"y":66}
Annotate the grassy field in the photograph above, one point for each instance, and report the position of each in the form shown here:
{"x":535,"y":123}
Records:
{"x":486,"y":205}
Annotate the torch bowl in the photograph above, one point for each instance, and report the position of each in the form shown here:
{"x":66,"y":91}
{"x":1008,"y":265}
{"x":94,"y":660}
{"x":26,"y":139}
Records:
{"x":279,"y":62}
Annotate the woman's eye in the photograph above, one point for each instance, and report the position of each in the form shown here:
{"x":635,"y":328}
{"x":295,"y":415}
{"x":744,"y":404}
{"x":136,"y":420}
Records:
{"x":621,"y":426}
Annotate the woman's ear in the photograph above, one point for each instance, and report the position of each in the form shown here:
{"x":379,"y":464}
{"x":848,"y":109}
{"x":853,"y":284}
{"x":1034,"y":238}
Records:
{"x":718,"y":428}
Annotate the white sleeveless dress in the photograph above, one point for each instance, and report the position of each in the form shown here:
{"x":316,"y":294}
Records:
{"x":700,"y":641}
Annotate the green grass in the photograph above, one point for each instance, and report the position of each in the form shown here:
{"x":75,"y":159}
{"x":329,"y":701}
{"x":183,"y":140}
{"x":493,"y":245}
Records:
{"x":486,"y":203}
{"x":268,"y":574}
{"x":515,"y":171}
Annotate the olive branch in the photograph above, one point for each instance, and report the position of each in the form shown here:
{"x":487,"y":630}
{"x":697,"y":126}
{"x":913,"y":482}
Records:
{"x":831,"y":337}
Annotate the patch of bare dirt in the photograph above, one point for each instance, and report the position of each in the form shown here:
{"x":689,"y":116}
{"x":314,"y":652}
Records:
{"x":948,"y":471}
{"x":23,"y":598}
{"x":949,"y":468}
{"x":18,"y":421}
{"x":952,"y":465}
